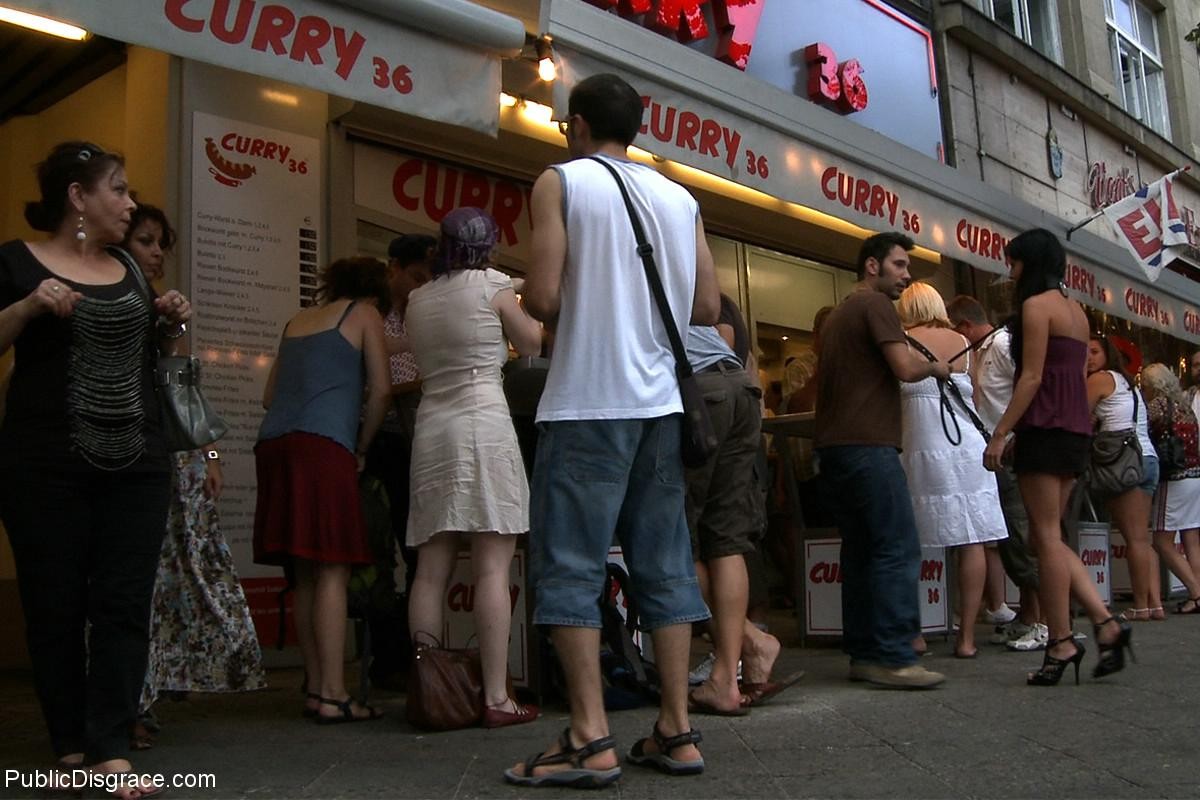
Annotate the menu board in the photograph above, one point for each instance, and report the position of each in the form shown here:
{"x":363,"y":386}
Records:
{"x":256,"y":218}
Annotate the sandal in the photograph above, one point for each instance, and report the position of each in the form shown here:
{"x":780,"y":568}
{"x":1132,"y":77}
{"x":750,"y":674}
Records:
{"x":578,"y":776}
{"x":1136,"y":615}
{"x":1157,"y":614}
{"x":661,"y":760}
{"x":1195,"y":609}
{"x":347,"y":715}
{"x":310,"y":712}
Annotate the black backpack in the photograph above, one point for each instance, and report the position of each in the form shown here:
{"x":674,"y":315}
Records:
{"x":1172,"y":452}
{"x":629,"y":679}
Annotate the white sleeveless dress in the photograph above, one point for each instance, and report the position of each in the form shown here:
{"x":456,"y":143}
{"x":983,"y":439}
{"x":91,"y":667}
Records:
{"x":955,"y":500}
{"x":467,"y":473}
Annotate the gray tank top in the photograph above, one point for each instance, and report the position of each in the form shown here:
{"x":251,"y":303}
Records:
{"x":318,"y":387}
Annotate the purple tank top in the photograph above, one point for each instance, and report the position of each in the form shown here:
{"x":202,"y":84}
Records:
{"x":1061,"y":400}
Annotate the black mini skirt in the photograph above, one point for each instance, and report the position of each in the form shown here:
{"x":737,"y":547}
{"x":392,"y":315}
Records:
{"x":1051,"y":451}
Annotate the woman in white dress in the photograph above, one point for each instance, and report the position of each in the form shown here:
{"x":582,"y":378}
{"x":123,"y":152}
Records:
{"x":955,"y":500}
{"x":467,"y":475}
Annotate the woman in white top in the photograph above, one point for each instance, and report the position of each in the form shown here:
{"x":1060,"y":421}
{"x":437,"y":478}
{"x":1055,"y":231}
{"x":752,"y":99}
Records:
{"x":955,"y":500}
{"x":467,"y":476}
{"x":1111,"y":396}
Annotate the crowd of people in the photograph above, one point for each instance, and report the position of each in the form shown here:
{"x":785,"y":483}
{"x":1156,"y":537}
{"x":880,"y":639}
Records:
{"x":932,"y":429}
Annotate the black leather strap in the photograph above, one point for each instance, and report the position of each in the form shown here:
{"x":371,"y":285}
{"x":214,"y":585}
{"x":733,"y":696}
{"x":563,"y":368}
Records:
{"x":953,"y":388}
{"x":646,"y":250}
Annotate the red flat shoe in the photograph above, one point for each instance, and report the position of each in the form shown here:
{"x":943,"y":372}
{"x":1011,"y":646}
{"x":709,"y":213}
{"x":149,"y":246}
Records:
{"x":494,"y":717}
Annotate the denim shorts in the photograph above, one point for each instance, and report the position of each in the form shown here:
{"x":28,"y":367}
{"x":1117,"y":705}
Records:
{"x":594,"y":480}
{"x":1150,"y":471}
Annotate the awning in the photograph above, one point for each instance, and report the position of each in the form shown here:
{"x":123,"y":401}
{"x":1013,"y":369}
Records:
{"x":364,"y":53}
{"x":707,"y":115}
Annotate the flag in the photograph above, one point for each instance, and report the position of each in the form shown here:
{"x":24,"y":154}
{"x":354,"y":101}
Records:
{"x":1150,"y":225}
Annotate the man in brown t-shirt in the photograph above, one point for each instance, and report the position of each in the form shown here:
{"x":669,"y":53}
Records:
{"x":864,"y":356}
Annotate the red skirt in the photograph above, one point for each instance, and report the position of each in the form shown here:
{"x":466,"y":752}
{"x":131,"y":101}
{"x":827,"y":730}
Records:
{"x":308,"y":503}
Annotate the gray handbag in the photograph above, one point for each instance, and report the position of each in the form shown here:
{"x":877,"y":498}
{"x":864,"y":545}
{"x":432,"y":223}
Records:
{"x":188,"y":421}
{"x":1116,"y":464}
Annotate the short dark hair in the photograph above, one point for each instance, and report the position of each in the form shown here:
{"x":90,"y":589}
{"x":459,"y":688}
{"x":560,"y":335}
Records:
{"x":965,"y":308}
{"x":610,"y":106}
{"x":354,"y":278}
{"x":879,"y":246}
{"x":1043,"y":262}
{"x":144,"y":212}
{"x":411,"y":247}
{"x":69,"y":162}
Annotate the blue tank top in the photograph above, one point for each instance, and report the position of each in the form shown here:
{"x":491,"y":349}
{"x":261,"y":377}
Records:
{"x":318,"y":387}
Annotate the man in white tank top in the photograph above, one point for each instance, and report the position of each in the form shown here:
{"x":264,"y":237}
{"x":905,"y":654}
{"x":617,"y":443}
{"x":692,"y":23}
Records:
{"x":608,"y":458}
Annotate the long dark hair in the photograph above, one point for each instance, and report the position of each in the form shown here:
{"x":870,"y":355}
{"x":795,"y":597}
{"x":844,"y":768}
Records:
{"x":70,"y":162}
{"x":1114,"y":359}
{"x":1043,"y":266}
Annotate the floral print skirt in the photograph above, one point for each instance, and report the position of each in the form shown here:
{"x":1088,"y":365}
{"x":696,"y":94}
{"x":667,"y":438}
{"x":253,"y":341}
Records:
{"x":201,"y":636}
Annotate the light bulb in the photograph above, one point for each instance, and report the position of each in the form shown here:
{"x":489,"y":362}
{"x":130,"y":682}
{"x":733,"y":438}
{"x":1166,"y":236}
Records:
{"x":546,"y":69}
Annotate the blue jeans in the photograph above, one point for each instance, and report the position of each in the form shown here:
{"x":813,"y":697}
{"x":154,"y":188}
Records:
{"x":881,"y":554}
{"x":593,"y":479}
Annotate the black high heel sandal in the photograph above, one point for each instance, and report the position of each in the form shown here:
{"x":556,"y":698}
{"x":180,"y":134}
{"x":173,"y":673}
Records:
{"x":1112,"y":655}
{"x":1053,"y":668}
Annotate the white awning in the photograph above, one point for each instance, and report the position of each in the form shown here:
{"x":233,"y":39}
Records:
{"x":358,"y":49}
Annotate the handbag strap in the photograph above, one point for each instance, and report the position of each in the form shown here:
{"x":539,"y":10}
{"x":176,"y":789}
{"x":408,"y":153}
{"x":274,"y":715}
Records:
{"x":127,"y":261}
{"x":950,"y":385}
{"x":683,"y":369}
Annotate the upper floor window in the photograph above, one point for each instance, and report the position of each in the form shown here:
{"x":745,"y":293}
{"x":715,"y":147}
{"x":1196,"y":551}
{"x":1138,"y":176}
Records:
{"x":1033,"y":21}
{"x":1137,"y":62}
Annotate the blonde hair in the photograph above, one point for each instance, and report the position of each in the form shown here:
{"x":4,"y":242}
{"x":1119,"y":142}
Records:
{"x":920,"y":304}
{"x":1161,"y":382}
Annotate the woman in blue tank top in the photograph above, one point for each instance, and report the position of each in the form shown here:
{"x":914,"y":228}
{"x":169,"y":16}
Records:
{"x":311,"y":447}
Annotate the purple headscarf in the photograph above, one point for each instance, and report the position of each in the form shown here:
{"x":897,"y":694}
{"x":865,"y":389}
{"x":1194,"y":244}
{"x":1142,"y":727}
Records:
{"x":469,"y":236}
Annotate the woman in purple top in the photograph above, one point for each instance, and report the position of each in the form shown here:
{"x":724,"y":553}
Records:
{"x":1049,"y":413}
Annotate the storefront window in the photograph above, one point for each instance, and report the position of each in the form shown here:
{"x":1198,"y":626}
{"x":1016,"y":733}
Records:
{"x":1137,"y":64}
{"x":1033,"y":21}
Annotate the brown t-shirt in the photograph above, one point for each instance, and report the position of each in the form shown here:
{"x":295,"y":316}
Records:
{"x":858,"y":397}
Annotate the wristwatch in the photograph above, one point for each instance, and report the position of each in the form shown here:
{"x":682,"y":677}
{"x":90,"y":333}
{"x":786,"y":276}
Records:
{"x":212,"y":455}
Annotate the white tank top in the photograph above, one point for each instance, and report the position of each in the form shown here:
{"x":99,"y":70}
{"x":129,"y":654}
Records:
{"x":1115,"y":412}
{"x":612,"y":358}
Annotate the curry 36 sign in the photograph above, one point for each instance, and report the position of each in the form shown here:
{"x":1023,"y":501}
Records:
{"x":837,"y":53}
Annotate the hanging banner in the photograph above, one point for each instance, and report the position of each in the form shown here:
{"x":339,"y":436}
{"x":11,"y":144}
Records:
{"x":683,"y":128}
{"x":312,"y":43}
{"x":255,"y":228}
{"x":1150,"y":225}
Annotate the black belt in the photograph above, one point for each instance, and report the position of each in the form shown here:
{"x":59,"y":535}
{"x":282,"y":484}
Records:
{"x":724,"y":366}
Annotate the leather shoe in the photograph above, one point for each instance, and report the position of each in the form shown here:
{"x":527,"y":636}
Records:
{"x":496,"y":717}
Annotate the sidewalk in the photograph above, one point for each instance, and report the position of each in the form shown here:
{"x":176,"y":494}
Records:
{"x":984,"y":734}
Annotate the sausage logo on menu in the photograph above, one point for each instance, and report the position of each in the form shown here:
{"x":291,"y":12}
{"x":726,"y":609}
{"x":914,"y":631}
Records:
{"x":225,"y":171}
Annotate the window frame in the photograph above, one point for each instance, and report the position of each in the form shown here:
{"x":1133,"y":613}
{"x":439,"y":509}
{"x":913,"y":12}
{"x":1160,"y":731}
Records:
{"x":1132,"y":42}
{"x":1025,"y":32}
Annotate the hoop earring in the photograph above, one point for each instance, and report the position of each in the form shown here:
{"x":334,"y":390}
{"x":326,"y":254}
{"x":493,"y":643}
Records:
{"x":80,"y":233}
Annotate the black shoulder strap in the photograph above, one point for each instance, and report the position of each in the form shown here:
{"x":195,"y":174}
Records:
{"x":1133,"y":391}
{"x":127,"y":261}
{"x":646,"y":251}
{"x":953,"y":388}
